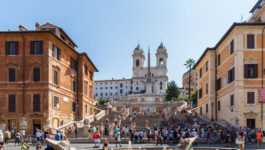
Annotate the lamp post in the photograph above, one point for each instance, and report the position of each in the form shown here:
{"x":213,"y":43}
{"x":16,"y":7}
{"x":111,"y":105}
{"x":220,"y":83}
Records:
{"x":262,"y":70}
{"x":212,"y":112}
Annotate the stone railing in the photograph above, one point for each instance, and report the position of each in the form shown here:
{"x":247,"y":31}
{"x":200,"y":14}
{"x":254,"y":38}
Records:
{"x":81,"y":123}
{"x":163,"y":103}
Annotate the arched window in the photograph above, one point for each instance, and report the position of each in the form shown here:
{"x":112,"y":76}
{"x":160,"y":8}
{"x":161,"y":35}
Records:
{"x":161,"y":62}
{"x":137,"y":63}
{"x":161,"y":84}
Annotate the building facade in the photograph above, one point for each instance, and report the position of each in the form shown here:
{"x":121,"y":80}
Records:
{"x":44,"y":81}
{"x":231,"y":74}
{"x":145,"y":80}
{"x":193,"y":82}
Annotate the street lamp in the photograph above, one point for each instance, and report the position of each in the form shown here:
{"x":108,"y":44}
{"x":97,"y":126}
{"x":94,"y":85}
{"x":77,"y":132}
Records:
{"x":212,"y":112}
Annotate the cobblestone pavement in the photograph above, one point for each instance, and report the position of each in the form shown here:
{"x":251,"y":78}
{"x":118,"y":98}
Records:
{"x":87,"y":146}
{"x":247,"y":146}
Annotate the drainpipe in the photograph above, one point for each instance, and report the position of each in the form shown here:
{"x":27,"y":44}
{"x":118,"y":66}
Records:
{"x":262,"y":75}
{"x":215,"y":89}
{"x":23,"y":74}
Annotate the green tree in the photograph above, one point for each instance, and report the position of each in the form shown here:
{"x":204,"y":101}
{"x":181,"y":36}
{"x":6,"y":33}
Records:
{"x":194,"y":98}
{"x":172,"y":91}
{"x":189,"y":64}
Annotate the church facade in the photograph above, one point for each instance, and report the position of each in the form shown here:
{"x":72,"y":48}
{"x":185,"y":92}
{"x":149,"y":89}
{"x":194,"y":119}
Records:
{"x":146,"y":81}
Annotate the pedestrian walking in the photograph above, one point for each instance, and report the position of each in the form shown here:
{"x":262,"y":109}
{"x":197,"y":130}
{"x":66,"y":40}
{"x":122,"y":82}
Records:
{"x":7,"y":136}
{"x":240,"y":141}
{"x":259,"y":138}
{"x":118,"y":137}
{"x":76,"y":132}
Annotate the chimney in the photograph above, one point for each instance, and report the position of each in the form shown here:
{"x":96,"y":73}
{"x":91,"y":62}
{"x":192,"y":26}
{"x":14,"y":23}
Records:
{"x":37,"y":25}
{"x":22,"y":28}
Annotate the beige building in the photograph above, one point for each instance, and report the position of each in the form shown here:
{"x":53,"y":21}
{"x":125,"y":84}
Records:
{"x":231,"y":73}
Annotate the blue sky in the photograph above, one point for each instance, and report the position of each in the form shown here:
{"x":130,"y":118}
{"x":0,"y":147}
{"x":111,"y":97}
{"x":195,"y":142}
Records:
{"x":109,"y":30}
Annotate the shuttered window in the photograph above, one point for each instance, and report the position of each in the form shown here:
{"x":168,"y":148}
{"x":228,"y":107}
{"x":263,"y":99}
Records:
{"x":206,"y":66}
{"x":219,"y":105}
{"x":251,"y":70}
{"x":206,"y":108}
{"x":36,"y":74}
{"x":73,"y":64}
{"x":200,"y":93}
{"x":36,"y":47}
{"x":73,"y":106}
{"x":218,"y":84}
{"x":200,"y":110}
{"x":231,"y":75}
{"x":56,"y":52}
{"x":91,"y":75}
{"x":55,"y":76}
{"x":36,"y":103}
{"x":231,"y":100}
{"x":11,"y":74}
{"x":56,"y":102}
{"x":250,"y":41}
{"x":73,"y":86}
{"x":231,"y":47}
{"x":200,"y":72}
{"x":11,"y":48}
{"x":12,"y":103}
{"x":206,"y":88}
{"x":219,"y":60}
{"x":86,"y":69}
{"x":250,"y":97}
{"x":86,"y":109}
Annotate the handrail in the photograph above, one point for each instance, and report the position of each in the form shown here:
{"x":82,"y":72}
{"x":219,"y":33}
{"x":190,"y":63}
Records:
{"x":80,"y":123}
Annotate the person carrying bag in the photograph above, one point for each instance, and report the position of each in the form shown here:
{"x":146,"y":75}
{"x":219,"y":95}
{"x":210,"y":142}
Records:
{"x":240,"y":141}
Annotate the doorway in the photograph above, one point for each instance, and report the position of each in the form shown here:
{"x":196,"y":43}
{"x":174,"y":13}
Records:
{"x":36,"y":125}
{"x":251,"y":123}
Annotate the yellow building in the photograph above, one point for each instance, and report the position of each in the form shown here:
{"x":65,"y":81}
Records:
{"x":231,"y":73}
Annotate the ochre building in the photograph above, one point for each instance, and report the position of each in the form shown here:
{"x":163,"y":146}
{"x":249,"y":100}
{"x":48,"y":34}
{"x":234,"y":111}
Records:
{"x":44,"y":81}
{"x":231,"y":73}
{"x":193,"y":82}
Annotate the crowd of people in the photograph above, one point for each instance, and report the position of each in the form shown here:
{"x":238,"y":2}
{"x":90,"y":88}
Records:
{"x":170,"y":131}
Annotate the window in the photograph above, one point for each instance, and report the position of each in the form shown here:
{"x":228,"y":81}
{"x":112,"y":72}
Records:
{"x":73,"y":86}
{"x":36,"y":103}
{"x":251,"y":98}
{"x":200,"y":93}
{"x":200,"y":72}
{"x":86,"y":109}
{"x":121,"y":85}
{"x":73,"y":64}
{"x":231,"y":47}
{"x":206,"y":89}
{"x":251,"y":70}
{"x":161,"y":85}
{"x":73,"y":106}
{"x":12,"y":74}
{"x":231,"y":75}
{"x":12,"y":48}
{"x":121,"y":91}
{"x":136,"y":88}
{"x":200,"y":110}
{"x":86,"y":88}
{"x":91,"y":92}
{"x":36,"y":47}
{"x":206,"y":108}
{"x":219,"y":60}
{"x":231,"y":100}
{"x":56,"y":102}
{"x":219,"y":105}
{"x":91,"y":75}
{"x":86,"y":69}
{"x":55,"y":77}
{"x":250,"y":41}
{"x":106,"y":94}
{"x":206,"y":66}
{"x":11,"y":103}
{"x":36,"y":74}
{"x":218,"y":84}
{"x":56,"y":52}
{"x":137,"y":62}
{"x":91,"y":111}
